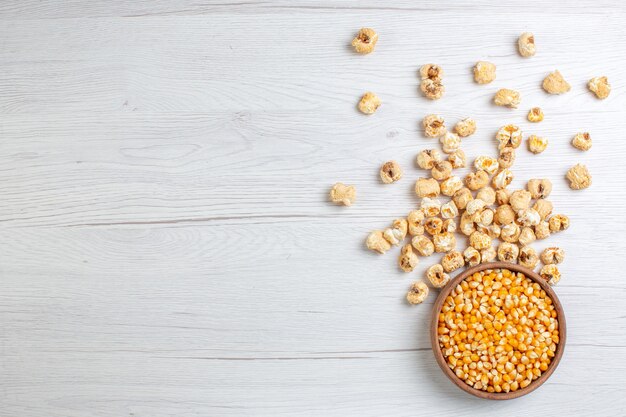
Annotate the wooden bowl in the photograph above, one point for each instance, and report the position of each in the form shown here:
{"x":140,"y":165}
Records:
{"x":439,"y":354}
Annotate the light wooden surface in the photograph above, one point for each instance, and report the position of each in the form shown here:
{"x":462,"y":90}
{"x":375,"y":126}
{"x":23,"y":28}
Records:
{"x":166,"y":247}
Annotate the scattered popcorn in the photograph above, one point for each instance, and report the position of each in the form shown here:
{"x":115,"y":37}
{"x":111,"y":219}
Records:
{"x":502,"y":179}
{"x":365,"y":41}
{"x":526,"y":236}
{"x":552,"y":255}
{"x":437,"y":277}
{"x":462,"y":197}
{"x":376,"y":242}
{"x":343,"y":194}
{"x":450,"y":142}
{"x":543,"y":207}
{"x":433,"y":125}
{"x":506,"y":157}
{"x":441,"y":170}
{"x":449,"y":210}
{"x":554,"y":83}
{"x":397,"y":232}
{"x":558,"y":222}
{"x":431,"y":85}
{"x":528,"y":217}
{"x":528,"y":257}
{"x":417,"y":293}
{"x":476,"y":180}
{"x":520,"y":199}
{"x":471,"y":256}
{"x":433,"y":225}
{"x":582,"y":141}
{"x":508,"y":98}
{"x":444,"y":242}
{"x":503,"y":196}
{"x":526,"y":44}
{"x":484,"y":72}
{"x":457,"y":159}
{"x":414,"y":222}
{"x":508,"y":252}
{"x":487,"y":194}
{"x":479,"y":240}
{"x":390,"y":172}
{"x":407,"y":260}
{"x":537,"y":144}
{"x":427,"y":158}
{"x":542,"y":230}
{"x":452,"y":261}
{"x":486,"y":163}
{"x":451,"y":185}
{"x":535,"y":115}
{"x":509,"y":136}
{"x":466,"y":225}
{"x":551,"y":274}
{"x":539,"y":188}
{"x":504,"y":215}
{"x":430,"y":207}
{"x":369,"y":103}
{"x":510,"y":232}
{"x":579,"y":177}
{"x":600,"y":87}
{"x":449,"y":225}
{"x":427,"y":187}
{"x":423,"y":245}
{"x":465,"y":127}
{"x":488,"y":255}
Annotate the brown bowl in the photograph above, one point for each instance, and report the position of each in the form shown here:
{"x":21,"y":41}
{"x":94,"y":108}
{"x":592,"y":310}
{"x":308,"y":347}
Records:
{"x":439,"y":354}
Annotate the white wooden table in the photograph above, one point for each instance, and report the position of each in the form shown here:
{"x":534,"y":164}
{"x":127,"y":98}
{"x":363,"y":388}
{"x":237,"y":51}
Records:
{"x":166,"y":247}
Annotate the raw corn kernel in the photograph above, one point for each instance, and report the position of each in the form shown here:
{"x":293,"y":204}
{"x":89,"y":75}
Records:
{"x":498,"y":330}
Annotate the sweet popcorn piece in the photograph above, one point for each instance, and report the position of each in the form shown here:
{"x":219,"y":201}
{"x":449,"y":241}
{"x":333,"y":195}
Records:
{"x":579,"y":177}
{"x":452,"y":261}
{"x":543,"y":207}
{"x":365,"y":41}
{"x":510,"y":232}
{"x":600,"y":87}
{"x":414,"y":221}
{"x":528,"y":217}
{"x":457,"y":159}
{"x":508,"y":252}
{"x":449,"y":210}
{"x":417,"y":293}
{"x":479,"y":240}
{"x":535,"y":115}
{"x":503,"y":196}
{"x":539,"y":188}
{"x":542,"y":230}
{"x":444,"y":242}
{"x":551,"y":274}
{"x":397,"y":232}
{"x":369,"y":103}
{"x":509,"y":136}
{"x":423,"y":245}
{"x":462,"y":197}
{"x":437,"y":277}
{"x":476,"y":180}
{"x":506,"y":157}
{"x":427,"y":187}
{"x":554,"y":83}
{"x":434,"y":126}
{"x":504,"y":215}
{"x":449,"y":225}
{"x":502,"y":179}
{"x":465,"y":127}
{"x":526,"y":44}
{"x":427,"y":158}
{"x":408,"y":260}
{"x":487,"y":194}
{"x":552,"y":255}
{"x":430,"y":207}
{"x":343,"y":194}
{"x":433,"y":225}
{"x":432,"y":89}
{"x":431,"y":72}
{"x":520,"y":199}
{"x":528,"y":257}
{"x":466,"y":225}
{"x":558,"y":222}
{"x":450,"y":142}
{"x":441,"y":170}
{"x":526,"y":236}
{"x":507,"y":98}
{"x":376,"y":242}
{"x":471,"y":256}
{"x":390,"y":172}
{"x":488,"y":255}
{"x":484,"y":72}
{"x":451,"y":185}
{"x":582,"y":141}
{"x":537,"y":144}
{"x":486,"y":163}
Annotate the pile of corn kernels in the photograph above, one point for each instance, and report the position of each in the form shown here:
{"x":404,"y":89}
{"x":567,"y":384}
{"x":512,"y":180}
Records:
{"x":500,"y":223}
{"x":498,"y":330}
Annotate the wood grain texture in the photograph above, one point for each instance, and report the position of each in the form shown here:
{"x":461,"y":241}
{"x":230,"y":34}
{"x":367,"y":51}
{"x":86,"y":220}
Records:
{"x":166,"y":247}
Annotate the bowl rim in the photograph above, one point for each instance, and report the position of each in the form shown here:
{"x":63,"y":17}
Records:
{"x":439,"y":354}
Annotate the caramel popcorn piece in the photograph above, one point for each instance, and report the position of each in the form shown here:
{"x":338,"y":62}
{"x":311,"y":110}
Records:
{"x":437,"y":277}
{"x":539,"y":188}
{"x":582,"y":141}
{"x":449,"y":210}
{"x":506,"y":157}
{"x":600,"y":87}
{"x":433,"y":225}
{"x":535,"y":115}
{"x":486,"y":163}
{"x":397,"y":232}
{"x":451,"y":185}
{"x":502,"y":179}
{"x":528,"y":257}
{"x":376,"y":242}
{"x":431,"y":72}
{"x":408,"y":260}
{"x":369,"y":103}
{"x":414,"y":221}
{"x":390,"y":172}
{"x":434,"y":126}
{"x":543,"y":207}
{"x":479,"y":240}
{"x":503,"y":196}
{"x":526,"y":44}
{"x":551,"y":274}
{"x":452,"y":261}
{"x":579,"y":177}
{"x":508,"y":252}
{"x":552,"y":255}
{"x":554,"y":83}
{"x":365,"y":41}
{"x":462,"y":197}
{"x":471,"y":256}
{"x":520,"y":199}
{"x":449,"y":225}
{"x":526,"y":236}
{"x":457,"y":159}
{"x":484,"y":72}
{"x":504,"y":215}
{"x":417,"y":293}
{"x":507,"y":98}
{"x":430,"y":207}
{"x":542,"y":230}
{"x":510,"y":232}
{"x":427,"y":187}
{"x":466,"y":225}
{"x":465,"y":127}
{"x":444,"y":242}
{"x":343,"y":194}
{"x":476,"y":180}
{"x":537,"y":144}
{"x":423,"y":245}
{"x":431,"y":85}
{"x":509,"y":136}
{"x":528,"y":217}
{"x":487,"y":194}
{"x":427,"y":158}
{"x":488,"y":255}
{"x":441,"y":170}
{"x":450,"y":142}
{"x":558,"y":222}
